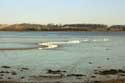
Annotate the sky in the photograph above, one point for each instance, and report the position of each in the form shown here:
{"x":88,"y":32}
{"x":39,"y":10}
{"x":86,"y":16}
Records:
{"x":62,"y":11}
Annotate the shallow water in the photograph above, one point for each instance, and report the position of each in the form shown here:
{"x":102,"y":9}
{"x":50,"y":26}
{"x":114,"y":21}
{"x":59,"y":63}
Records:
{"x":75,"y":51}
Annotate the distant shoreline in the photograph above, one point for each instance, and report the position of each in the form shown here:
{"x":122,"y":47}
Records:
{"x":65,"y":27}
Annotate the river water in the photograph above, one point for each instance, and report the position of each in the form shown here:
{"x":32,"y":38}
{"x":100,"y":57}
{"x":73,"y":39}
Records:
{"x":74,"y":52}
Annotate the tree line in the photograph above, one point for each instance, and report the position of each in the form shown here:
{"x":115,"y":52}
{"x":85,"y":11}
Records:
{"x":59,"y":27}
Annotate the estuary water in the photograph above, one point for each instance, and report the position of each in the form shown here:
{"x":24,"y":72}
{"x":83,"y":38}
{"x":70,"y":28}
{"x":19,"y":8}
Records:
{"x":74,"y":52}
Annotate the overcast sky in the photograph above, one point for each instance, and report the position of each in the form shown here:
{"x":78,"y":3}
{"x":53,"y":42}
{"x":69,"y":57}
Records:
{"x":62,"y":11}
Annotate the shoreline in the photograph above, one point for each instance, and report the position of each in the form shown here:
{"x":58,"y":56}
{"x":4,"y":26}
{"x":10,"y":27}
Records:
{"x":59,"y":31}
{"x":108,"y":81}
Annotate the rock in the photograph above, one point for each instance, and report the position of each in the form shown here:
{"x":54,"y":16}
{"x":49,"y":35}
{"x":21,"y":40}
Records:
{"x":22,"y":77}
{"x":112,"y":71}
{"x":25,"y":68}
{"x":76,"y":75}
{"x":1,"y":74}
{"x":121,"y":71}
{"x":13,"y":73}
{"x":90,"y":62}
{"x":4,"y":72}
{"x":97,"y":82}
{"x":122,"y":74}
{"x":51,"y":76}
{"x":9,"y":78}
{"x":99,"y":67}
{"x":5,"y":66}
{"x":93,"y":76}
{"x":55,"y":71}
{"x":108,"y":58}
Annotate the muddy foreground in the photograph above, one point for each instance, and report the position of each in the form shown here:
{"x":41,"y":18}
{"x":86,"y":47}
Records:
{"x":9,"y":74}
